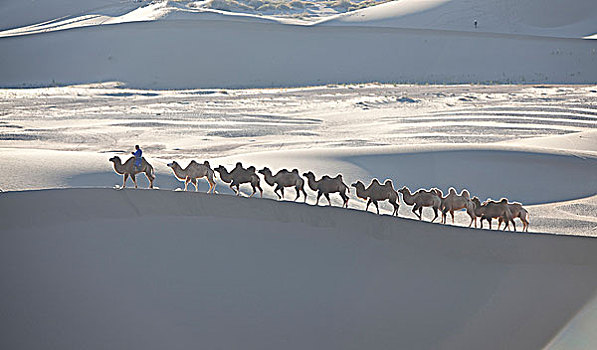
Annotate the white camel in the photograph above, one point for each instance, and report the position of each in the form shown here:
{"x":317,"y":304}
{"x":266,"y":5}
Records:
{"x":240,"y":175}
{"x":327,"y":185}
{"x":454,"y":201}
{"x":129,"y":169}
{"x":421,"y":199}
{"x":377,"y":192}
{"x":193,"y":172}
{"x":284,"y":178}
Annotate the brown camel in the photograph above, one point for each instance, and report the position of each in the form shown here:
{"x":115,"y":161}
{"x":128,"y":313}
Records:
{"x":129,"y":169}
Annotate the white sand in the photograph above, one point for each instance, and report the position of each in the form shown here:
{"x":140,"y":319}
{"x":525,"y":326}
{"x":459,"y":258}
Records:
{"x":531,"y":144}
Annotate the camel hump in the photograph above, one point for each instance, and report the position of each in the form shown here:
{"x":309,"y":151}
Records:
{"x":194,"y":162}
{"x":251,"y":169}
{"x":339,"y":177}
{"x":326,"y":177}
{"x":465,"y":194}
{"x":295,"y":171}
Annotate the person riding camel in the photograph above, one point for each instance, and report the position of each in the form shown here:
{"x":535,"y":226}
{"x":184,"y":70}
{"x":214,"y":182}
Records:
{"x":138,"y":156}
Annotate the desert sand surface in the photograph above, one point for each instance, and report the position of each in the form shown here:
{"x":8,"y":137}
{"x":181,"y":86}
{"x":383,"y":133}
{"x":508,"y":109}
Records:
{"x":412,"y":91}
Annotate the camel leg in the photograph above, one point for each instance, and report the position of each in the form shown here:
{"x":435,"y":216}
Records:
{"x":376,"y":206}
{"x":420,"y":213}
{"x":282,"y":191}
{"x":260,"y":191}
{"x":186,"y":183}
{"x":368,"y":202}
{"x":150,"y":178}
{"x":452,"y":214}
{"x":276,"y":191}
{"x":255,"y":191}
{"x":435,"y":210}
{"x":298,"y":194}
{"x":125,"y":177}
{"x":134,"y":178}
{"x":318,"y":196}
{"x":345,"y":198}
{"x":304,"y":195}
{"x":414,"y":210}
{"x":327,"y":196}
{"x":195,"y":183}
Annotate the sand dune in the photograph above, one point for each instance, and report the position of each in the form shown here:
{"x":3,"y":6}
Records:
{"x":571,"y":19}
{"x":136,"y":48}
{"x":177,"y":269}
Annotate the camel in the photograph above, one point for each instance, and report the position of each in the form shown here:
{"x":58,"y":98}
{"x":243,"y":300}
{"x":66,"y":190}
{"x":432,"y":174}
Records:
{"x":376,"y":192}
{"x":453,"y":202}
{"x":327,"y":185}
{"x":489,"y":210}
{"x":518,"y":211}
{"x":129,"y":169}
{"x":285,"y":178}
{"x":240,"y":175}
{"x":193,"y":172}
{"x":421,"y":199}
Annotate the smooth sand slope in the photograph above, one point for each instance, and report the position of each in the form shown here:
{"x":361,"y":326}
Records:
{"x":99,"y":268}
{"x":566,"y":19}
{"x":179,"y":48}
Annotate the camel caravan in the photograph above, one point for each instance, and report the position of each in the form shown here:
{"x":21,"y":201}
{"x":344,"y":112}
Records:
{"x":504,"y":211}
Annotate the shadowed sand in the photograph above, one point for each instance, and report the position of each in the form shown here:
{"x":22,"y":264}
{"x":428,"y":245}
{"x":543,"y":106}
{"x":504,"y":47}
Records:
{"x":181,"y":269}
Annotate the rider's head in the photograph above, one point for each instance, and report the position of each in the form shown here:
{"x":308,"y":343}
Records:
{"x":136,"y":146}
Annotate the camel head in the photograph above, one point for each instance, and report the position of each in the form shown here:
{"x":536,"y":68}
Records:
{"x":115,"y":159}
{"x":358,"y":184}
{"x":309,"y":175}
{"x":265,"y":171}
{"x":173,"y":164}
{"x":404,"y":190}
{"x":220,"y":169}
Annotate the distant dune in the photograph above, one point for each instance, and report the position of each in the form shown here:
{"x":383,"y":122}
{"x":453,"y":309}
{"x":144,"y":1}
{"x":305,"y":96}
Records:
{"x":166,"y":46}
